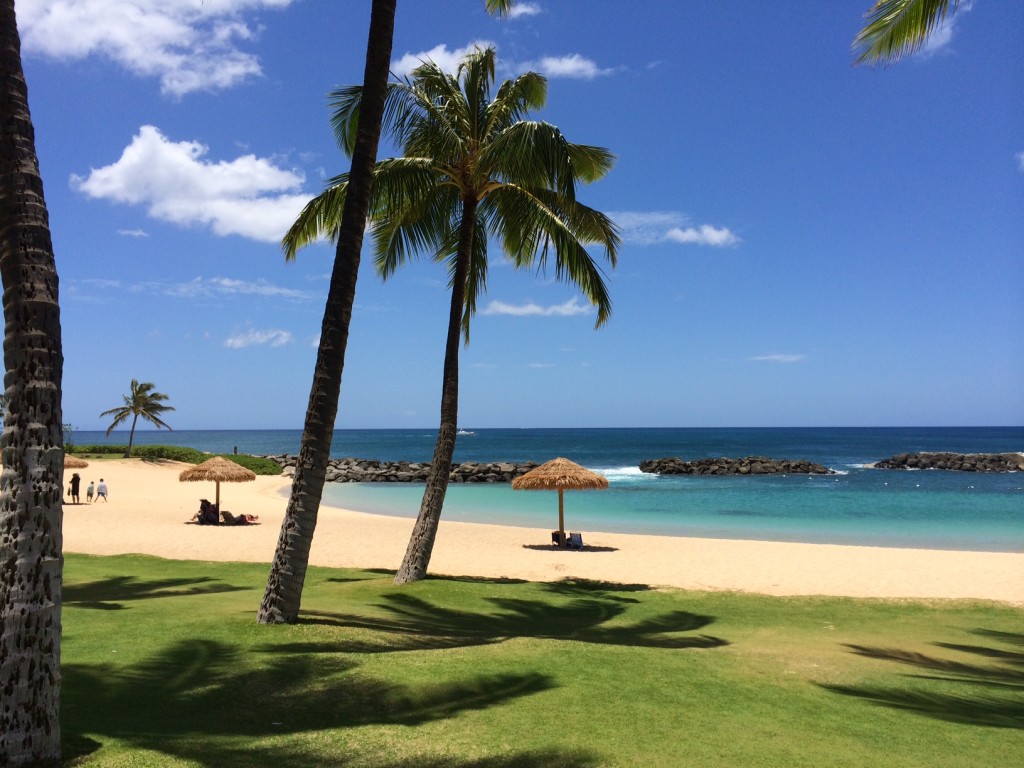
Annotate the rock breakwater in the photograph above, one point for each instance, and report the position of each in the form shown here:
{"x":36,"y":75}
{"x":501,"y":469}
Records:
{"x":956,"y":462}
{"x":751,"y":465}
{"x":352,"y":470}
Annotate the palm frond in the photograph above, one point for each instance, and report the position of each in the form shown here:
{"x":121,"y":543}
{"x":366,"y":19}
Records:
{"x":537,"y":155}
{"x":514,"y":99}
{"x":476,"y":279}
{"x":896,"y":28}
{"x":476,"y":74}
{"x":499,"y":7}
{"x":590,"y":163}
{"x":548,"y":223}
{"x":344,"y":105}
{"x":413,"y":227}
{"x":319,"y":219}
{"x":432,"y":118}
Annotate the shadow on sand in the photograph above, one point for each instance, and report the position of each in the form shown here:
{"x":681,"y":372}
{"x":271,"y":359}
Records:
{"x":556,"y":548}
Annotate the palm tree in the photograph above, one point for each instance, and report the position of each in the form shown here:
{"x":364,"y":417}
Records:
{"x":473,"y":167}
{"x":897,"y":28}
{"x":283,"y":594}
{"x":141,"y":401}
{"x":31,"y":482}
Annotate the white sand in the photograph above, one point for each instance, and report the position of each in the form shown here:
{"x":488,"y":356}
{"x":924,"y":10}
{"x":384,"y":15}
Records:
{"x":149,"y":508}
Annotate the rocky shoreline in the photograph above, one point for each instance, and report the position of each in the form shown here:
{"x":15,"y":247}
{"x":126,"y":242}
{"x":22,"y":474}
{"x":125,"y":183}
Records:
{"x":351,"y":470}
{"x":956,"y":462}
{"x":751,"y":465}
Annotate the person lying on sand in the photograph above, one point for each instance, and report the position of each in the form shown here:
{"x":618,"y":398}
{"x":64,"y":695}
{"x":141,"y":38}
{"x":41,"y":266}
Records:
{"x":242,"y":519}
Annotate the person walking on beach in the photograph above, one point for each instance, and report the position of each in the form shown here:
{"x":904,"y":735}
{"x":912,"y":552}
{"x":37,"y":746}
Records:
{"x":76,"y":484}
{"x":101,"y":490}
{"x":89,"y":491}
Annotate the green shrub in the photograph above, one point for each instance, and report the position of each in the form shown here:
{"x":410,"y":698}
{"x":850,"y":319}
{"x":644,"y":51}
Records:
{"x":102,"y":449}
{"x":169,"y":453}
{"x":257,"y":464}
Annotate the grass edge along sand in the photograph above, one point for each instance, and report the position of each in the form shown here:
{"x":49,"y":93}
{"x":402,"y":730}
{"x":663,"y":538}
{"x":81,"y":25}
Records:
{"x":164,"y":665}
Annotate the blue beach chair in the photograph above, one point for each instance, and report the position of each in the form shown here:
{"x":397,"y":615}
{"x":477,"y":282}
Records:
{"x":575,"y":540}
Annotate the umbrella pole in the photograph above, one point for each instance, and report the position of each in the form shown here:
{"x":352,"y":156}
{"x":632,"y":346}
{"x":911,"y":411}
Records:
{"x":561,"y":520}
{"x":218,"y":497}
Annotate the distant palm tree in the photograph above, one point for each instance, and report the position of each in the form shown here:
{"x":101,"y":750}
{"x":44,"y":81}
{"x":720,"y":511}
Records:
{"x":473,"y":167}
{"x":31,"y":483}
{"x":283,"y":594}
{"x":141,"y":401}
{"x":897,"y":28}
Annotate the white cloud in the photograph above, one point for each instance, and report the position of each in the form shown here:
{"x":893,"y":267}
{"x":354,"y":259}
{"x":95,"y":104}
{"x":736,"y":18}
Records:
{"x":530,"y":309}
{"x":226,"y":286}
{"x":705,"y":234}
{"x":652,"y":227}
{"x":189,"y":46}
{"x":248,"y":196}
{"x":447,"y":60}
{"x":524,"y":9}
{"x":778,"y":358}
{"x":252,"y":338}
{"x":133,"y":232}
{"x":1020,"y":160}
{"x":572,"y":66}
{"x":942,"y":35}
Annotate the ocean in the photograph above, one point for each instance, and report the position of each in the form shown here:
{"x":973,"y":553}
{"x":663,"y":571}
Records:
{"x":858,"y":505}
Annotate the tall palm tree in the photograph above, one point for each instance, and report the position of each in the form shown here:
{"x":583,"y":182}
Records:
{"x":140,"y":401}
{"x":473,"y":167}
{"x":32,"y":478}
{"x":897,"y":28}
{"x":283,"y":594}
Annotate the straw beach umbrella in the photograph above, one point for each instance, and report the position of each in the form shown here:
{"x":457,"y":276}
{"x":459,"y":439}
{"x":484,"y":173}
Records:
{"x":219,"y":470}
{"x":559,"y":475}
{"x":73,"y":462}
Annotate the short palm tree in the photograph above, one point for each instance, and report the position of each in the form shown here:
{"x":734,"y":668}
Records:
{"x":472,"y":167}
{"x":897,"y":28}
{"x":141,"y":401}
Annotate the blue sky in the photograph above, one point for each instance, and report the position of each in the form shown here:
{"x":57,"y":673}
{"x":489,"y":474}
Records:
{"x":806,"y":243}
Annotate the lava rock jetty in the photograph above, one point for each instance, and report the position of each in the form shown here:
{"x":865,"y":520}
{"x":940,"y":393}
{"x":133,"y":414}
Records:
{"x":956,"y":462}
{"x":351,"y":470}
{"x":751,"y":465}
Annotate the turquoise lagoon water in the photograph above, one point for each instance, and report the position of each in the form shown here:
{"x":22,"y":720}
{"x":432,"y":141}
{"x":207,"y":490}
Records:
{"x":859,"y":505}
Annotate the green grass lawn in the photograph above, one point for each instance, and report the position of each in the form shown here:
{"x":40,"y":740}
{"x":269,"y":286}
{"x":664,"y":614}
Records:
{"x":164,"y":665}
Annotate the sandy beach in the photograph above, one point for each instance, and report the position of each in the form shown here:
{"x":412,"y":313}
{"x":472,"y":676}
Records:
{"x":149,"y":511}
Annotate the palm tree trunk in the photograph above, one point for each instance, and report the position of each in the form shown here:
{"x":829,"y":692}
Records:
{"x":283,"y":594}
{"x":31,"y":482}
{"x":421,"y":543}
{"x":131,"y":436}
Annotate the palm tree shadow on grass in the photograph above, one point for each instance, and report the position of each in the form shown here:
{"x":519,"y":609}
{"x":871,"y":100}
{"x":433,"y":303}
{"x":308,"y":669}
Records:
{"x":414,"y":623}
{"x":967,"y":693}
{"x":192,"y":702}
{"x":110,"y":594}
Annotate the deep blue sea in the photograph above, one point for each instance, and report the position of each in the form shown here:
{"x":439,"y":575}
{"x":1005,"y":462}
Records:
{"x":932,"y":509}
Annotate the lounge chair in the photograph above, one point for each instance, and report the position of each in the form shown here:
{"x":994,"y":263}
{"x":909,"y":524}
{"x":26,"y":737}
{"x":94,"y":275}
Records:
{"x":575,"y":540}
{"x":558,"y":538}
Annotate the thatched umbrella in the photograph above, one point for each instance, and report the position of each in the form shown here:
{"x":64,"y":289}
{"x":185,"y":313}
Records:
{"x":219,"y":470}
{"x":559,"y":475}
{"x":73,"y":462}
